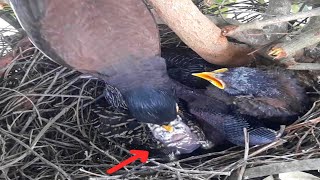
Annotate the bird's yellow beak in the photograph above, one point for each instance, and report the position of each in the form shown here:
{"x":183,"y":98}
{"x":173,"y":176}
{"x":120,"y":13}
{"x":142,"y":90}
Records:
{"x":210,"y":76}
{"x":169,"y":128}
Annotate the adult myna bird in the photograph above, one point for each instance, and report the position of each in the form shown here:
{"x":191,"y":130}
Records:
{"x":219,"y":120}
{"x":256,"y":92}
{"x":117,"y":42}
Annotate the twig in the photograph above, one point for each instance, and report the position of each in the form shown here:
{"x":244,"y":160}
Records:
{"x":309,"y":122}
{"x":52,"y":121}
{"x":277,"y":168}
{"x":189,"y":171}
{"x":91,"y":173}
{"x":30,"y":150}
{"x":304,"y":66}
{"x":263,"y":149}
{"x":246,"y":154}
{"x":231,"y":30}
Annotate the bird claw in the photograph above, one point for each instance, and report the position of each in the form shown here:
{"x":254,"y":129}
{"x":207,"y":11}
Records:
{"x":172,"y":156}
{"x":206,"y":144}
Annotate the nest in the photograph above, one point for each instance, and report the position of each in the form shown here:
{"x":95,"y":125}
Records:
{"x":46,"y":130}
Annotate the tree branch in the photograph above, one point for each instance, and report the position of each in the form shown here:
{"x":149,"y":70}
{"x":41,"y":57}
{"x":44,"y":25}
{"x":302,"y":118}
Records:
{"x":276,"y":8}
{"x":262,"y":36}
{"x":309,"y":2}
{"x":199,"y":33}
{"x":218,"y":21}
{"x":232,"y":30}
{"x":304,"y":66}
{"x":277,"y":168}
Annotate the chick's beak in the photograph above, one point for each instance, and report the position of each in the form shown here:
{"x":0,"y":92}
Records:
{"x":169,"y":128}
{"x":211,"y":77}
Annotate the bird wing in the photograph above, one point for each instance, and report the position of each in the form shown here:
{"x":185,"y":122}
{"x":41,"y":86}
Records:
{"x":121,"y":127}
{"x":97,"y":37}
{"x":262,"y":107}
{"x":294,"y":93}
{"x":233,"y":127}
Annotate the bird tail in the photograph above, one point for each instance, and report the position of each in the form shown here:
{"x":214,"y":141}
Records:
{"x":258,"y":135}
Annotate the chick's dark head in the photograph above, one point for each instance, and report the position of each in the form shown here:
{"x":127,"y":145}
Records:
{"x":242,"y":81}
{"x":152,"y":105}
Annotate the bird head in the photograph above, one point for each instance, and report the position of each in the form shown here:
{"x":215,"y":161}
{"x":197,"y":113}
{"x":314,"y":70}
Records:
{"x":159,"y":110}
{"x":181,"y":140}
{"x":214,"y":77}
{"x":242,"y":81}
{"x":152,"y":105}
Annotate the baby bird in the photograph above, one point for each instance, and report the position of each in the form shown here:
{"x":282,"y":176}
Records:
{"x":218,"y":119}
{"x":256,"y":92}
{"x":124,"y":129}
{"x":220,"y":122}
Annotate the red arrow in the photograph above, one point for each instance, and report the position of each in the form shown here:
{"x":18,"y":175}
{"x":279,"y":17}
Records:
{"x":143,"y":155}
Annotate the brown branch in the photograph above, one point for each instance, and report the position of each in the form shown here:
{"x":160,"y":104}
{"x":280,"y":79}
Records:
{"x":309,"y":2}
{"x":190,"y":171}
{"x":199,"y":33}
{"x":304,"y":66}
{"x":246,"y":154}
{"x":307,"y":123}
{"x":232,"y":30}
{"x":277,"y":168}
{"x":218,"y":21}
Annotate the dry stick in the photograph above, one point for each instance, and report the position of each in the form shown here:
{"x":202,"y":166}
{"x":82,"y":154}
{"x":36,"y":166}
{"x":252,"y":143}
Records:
{"x":263,"y":149}
{"x":260,"y":24}
{"x":12,"y":63}
{"x":309,"y":122}
{"x":82,"y":131}
{"x":190,"y":171}
{"x":246,"y":154}
{"x":304,"y":66}
{"x":91,"y":173}
{"x":30,"y":150}
{"x":301,"y":140}
{"x":36,"y":109}
{"x":51,"y":84}
{"x":263,"y":38}
{"x":37,"y":56}
{"x":277,"y":168}
{"x":62,"y":95}
{"x":50,"y":123}
{"x":107,"y":154}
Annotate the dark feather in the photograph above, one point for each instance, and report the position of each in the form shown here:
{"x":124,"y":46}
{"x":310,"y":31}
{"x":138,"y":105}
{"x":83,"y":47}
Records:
{"x":181,"y":63}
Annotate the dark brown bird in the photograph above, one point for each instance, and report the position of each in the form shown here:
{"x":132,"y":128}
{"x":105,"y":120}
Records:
{"x":256,"y":92}
{"x":220,"y":122}
{"x":261,"y":93}
{"x":119,"y":43}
